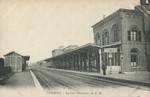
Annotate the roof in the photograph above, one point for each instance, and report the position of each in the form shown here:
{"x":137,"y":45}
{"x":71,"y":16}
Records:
{"x":76,"y":49}
{"x":26,"y":57}
{"x":11,"y":53}
{"x":89,"y":45}
{"x":114,"y":14}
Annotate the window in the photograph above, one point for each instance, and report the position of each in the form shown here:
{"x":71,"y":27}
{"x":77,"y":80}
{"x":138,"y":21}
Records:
{"x":115,"y":33}
{"x":134,"y":35}
{"x":105,"y":37}
{"x":134,"y":58}
{"x":96,"y":41}
{"x":98,"y":38}
{"x":147,"y":1}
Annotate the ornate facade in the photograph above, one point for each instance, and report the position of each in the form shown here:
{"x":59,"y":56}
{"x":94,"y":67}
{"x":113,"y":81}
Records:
{"x":132,"y":29}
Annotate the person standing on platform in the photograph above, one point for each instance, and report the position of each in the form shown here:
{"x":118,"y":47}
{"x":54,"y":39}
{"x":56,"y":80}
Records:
{"x":104,"y":67}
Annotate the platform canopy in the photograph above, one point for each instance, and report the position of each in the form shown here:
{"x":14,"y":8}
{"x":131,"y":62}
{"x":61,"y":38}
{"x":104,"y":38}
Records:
{"x":83,"y":48}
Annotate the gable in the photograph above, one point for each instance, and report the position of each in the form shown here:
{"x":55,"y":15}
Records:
{"x":12,"y":54}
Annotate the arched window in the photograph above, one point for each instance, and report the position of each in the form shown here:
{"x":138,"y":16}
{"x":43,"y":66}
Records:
{"x":115,"y":34}
{"x":134,"y":57}
{"x":134,"y":34}
{"x":105,"y":37}
{"x":98,"y":39}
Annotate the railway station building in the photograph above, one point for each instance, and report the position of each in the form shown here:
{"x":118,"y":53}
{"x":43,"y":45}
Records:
{"x":121,"y":41}
{"x":16,"y":61}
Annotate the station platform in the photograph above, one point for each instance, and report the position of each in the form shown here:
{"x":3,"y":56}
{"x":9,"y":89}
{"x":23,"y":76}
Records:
{"x":136,"y":78}
{"x":22,"y":84}
{"x":20,"y":80}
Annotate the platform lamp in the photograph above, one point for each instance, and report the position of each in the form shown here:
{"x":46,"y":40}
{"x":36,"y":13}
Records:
{"x":121,"y":56}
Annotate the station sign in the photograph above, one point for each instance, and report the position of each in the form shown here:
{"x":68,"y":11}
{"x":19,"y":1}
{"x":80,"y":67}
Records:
{"x":110,"y":50}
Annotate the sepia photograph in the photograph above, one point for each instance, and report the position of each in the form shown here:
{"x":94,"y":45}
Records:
{"x":74,"y":48}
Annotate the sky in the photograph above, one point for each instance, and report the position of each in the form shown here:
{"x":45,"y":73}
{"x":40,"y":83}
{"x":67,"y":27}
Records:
{"x":36,"y":27}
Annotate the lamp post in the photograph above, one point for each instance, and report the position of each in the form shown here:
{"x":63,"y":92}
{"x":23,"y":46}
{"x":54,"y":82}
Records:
{"x":121,"y":56}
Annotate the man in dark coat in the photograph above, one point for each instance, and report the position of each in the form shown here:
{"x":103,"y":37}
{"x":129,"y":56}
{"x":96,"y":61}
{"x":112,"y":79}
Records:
{"x":104,"y":67}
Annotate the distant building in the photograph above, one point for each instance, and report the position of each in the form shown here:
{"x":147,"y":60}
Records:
{"x":43,"y":64}
{"x":70,"y":47}
{"x":61,"y":50}
{"x":57,"y":52}
{"x":61,"y":47}
{"x":16,"y":61}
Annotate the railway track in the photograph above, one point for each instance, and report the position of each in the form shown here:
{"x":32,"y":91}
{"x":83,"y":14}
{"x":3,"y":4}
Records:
{"x":82,"y":78}
{"x":92,"y":82}
{"x":88,"y":81}
{"x":43,"y":82}
{"x":81,"y":83}
{"x":97,"y":80}
{"x":47,"y":79}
